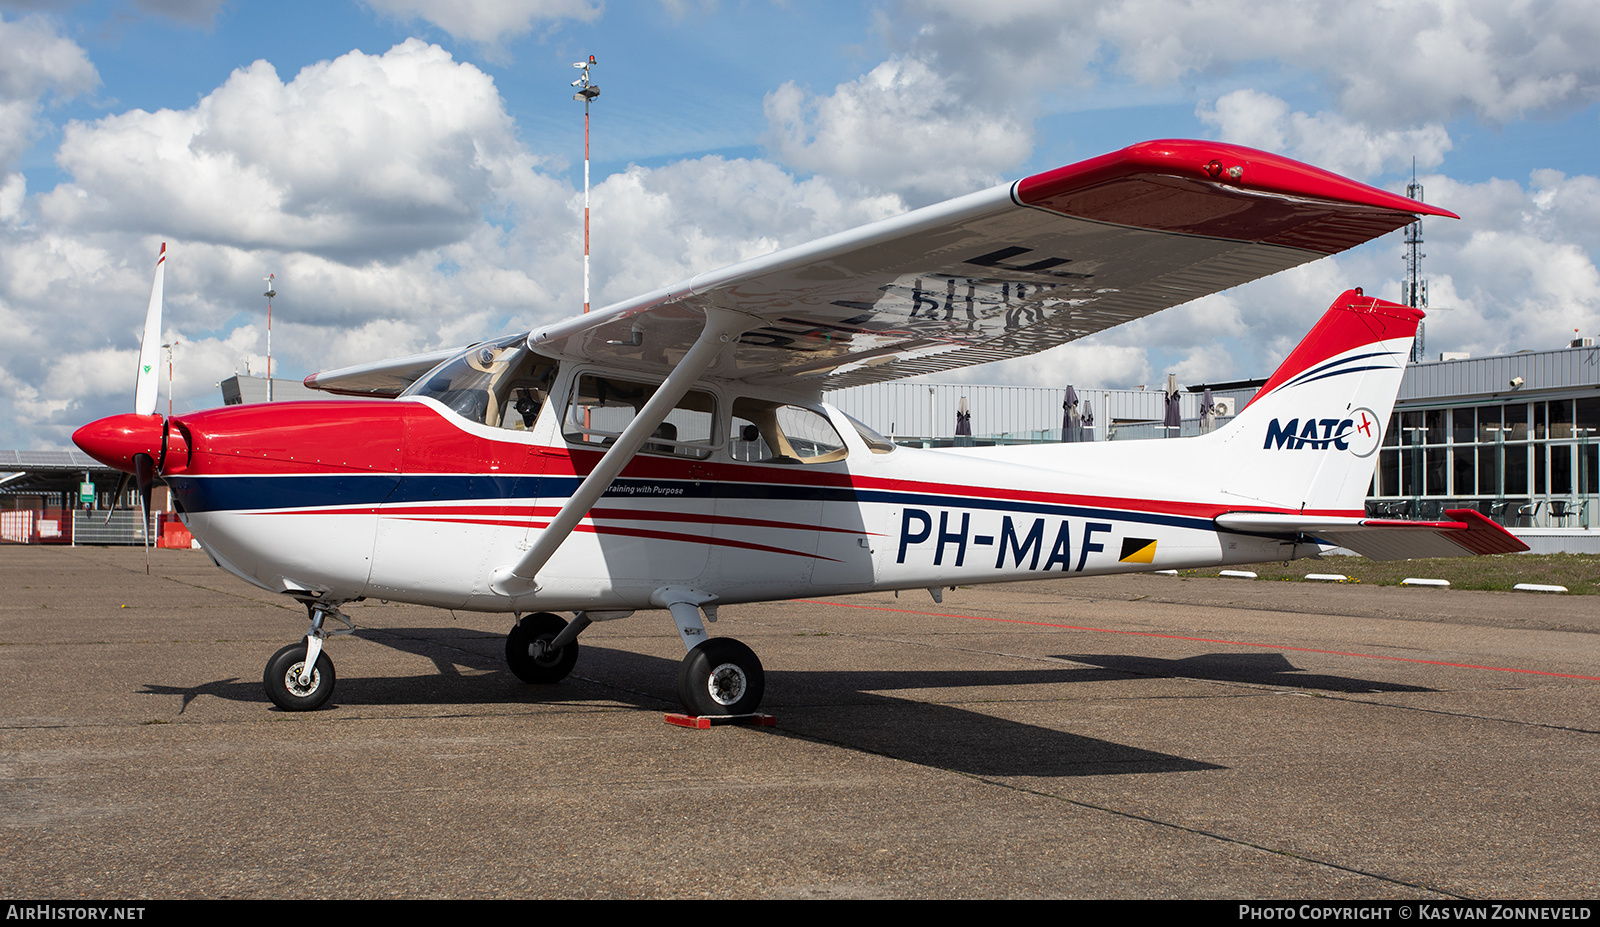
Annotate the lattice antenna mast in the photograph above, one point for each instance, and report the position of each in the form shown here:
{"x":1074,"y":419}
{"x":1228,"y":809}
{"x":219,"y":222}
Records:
{"x":586,"y":94}
{"x":1414,"y":288}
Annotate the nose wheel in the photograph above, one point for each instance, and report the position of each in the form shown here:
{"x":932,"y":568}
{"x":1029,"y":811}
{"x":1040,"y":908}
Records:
{"x":300,"y":676}
{"x":288,"y":685}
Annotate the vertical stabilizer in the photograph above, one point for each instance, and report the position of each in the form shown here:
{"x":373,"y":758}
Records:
{"x":1308,"y":440}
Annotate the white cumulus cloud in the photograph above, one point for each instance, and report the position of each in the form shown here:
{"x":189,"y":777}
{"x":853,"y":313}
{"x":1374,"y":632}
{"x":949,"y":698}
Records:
{"x":35,"y":62}
{"x":901,"y":127}
{"x":489,"y":23}
{"x":1390,"y":64}
{"x":362,"y":157}
{"x":658,"y":226}
{"x":392,"y":199}
{"x":1328,"y":140}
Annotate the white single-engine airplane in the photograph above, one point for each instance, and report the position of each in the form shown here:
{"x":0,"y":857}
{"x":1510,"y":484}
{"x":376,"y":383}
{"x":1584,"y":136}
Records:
{"x":672,"y":452}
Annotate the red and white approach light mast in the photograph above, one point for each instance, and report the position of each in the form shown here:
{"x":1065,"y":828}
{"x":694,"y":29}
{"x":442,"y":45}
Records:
{"x":586,"y":94}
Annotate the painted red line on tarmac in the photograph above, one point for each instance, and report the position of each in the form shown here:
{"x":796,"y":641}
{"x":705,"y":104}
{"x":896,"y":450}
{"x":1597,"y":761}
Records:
{"x":1206,"y":640}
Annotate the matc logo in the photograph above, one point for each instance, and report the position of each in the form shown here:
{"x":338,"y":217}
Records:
{"x":1360,"y":434}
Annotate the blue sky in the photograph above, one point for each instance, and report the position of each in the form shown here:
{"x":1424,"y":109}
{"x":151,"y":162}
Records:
{"x":411,"y":169}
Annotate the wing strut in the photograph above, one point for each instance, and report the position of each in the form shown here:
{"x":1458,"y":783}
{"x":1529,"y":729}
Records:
{"x":722,"y":328}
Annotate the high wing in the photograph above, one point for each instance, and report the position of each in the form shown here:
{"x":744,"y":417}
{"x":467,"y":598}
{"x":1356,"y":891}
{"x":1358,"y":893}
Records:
{"x":1001,"y":273}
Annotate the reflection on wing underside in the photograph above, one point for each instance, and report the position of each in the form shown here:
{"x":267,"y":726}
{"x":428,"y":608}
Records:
{"x":967,"y":307}
{"x":926,"y":315}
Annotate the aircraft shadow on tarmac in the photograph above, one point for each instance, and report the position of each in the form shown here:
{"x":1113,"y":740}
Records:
{"x":1268,"y":669}
{"x":844,"y":708}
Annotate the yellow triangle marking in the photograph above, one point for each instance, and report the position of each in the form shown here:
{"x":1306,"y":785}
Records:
{"x":1145,"y":554}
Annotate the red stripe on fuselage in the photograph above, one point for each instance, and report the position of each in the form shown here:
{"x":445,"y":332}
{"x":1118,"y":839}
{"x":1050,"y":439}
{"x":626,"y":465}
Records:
{"x":398,"y":436}
{"x":647,"y":533}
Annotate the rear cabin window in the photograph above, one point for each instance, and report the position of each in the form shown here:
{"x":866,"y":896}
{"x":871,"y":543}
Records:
{"x":775,"y":432}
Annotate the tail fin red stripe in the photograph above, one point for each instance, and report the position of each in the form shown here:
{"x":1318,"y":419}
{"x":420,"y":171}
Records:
{"x":1366,"y":320}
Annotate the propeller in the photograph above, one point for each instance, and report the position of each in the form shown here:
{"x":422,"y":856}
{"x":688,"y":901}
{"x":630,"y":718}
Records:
{"x":146,"y":391}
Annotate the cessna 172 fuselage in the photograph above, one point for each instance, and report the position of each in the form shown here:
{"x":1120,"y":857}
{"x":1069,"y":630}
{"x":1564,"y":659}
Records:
{"x":672,"y":452}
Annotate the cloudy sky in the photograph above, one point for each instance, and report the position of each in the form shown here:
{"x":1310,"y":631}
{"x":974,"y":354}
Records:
{"x":411,"y":170}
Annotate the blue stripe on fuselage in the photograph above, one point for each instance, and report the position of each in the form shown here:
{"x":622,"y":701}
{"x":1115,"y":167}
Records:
{"x":260,"y":493}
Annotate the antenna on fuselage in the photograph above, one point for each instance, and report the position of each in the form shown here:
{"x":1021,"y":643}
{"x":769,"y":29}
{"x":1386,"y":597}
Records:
{"x":586,"y":94}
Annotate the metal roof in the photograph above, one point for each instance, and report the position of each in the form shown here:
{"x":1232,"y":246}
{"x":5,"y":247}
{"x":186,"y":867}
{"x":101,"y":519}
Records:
{"x":48,"y":460}
{"x":1491,"y":377}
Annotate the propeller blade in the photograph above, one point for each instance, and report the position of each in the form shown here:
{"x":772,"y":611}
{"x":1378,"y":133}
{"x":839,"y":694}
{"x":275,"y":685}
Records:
{"x":116,"y":498}
{"x":144,"y":467}
{"x":147,"y":387}
{"x":144,"y":513}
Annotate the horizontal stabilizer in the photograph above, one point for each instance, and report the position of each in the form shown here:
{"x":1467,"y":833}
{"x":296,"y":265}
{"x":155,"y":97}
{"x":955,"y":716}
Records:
{"x":1470,"y":534}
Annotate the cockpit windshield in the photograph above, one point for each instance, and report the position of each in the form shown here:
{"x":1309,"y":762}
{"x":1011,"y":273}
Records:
{"x":496,"y":383}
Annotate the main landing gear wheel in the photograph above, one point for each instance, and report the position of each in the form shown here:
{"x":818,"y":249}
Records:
{"x":721,"y":676}
{"x":527,"y":663}
{"x":282,"y":680}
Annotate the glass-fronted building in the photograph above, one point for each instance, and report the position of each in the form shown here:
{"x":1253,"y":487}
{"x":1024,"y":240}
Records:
{"x":1515,"y":436}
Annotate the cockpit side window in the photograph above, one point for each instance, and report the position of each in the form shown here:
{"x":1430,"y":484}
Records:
{"x":525,"y":393}
{"x":603,"y":405}
{"x":496,"y":383}
{"x":765,"y":431}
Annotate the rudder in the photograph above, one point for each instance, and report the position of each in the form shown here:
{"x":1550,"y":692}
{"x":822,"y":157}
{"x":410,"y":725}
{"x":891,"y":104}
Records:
{"x":1308,"y":440}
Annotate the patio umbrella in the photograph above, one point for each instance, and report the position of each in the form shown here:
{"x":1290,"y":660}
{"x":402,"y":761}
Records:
{"x":1174,"y":419}
{"x":1208,"y":413}
{"x":963,"y":424}
{"x":1069,"y":417}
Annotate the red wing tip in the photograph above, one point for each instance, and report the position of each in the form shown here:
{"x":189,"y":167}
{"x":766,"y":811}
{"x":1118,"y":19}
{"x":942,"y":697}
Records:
{"x":1220,"y":163}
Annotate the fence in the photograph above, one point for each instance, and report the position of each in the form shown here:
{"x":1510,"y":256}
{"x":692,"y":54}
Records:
{"x":36,"y":526}
{"x":75,"y":526}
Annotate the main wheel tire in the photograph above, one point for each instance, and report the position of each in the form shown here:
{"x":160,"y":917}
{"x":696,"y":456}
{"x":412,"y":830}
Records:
{"x":721,"y":676}
{"x":282,"y":682}
{"x":548,"y":668}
